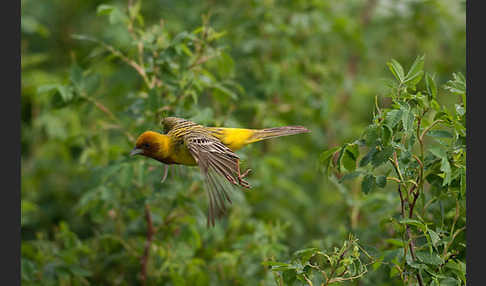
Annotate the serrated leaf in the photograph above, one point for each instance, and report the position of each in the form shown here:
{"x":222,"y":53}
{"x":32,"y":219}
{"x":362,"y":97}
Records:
{"x":416,"y":72}
{"x":445,"y":166}
{"x":429,"y":258}
{"x":393,"y":117}
{"x":457,"y":85}
{"x":407,"y":119}
{"x":434,"y":237}
{"x":368,"y":184}
{"x":396,"y":69}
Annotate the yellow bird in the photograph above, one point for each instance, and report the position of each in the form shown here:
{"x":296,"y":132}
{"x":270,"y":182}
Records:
{"x":211,"y":148}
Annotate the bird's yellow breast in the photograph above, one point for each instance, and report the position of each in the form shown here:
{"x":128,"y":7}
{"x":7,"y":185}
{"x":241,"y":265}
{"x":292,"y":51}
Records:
{"x":181,"y":155}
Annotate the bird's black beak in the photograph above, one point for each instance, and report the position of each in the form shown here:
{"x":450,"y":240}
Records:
{"x":136,"y":151}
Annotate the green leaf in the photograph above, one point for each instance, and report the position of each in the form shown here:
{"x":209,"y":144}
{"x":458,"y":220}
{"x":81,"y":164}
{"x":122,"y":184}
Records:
{"x":445,"y":166}
{"x":349,"y":157}
{"x":395,"y":242}
{"x":449,"y":281}
{"x":350,"y":176}
{"x":279,"y":266}
{"x":367,"y":158}
{"x":414,"y":222}
{"x":371,"y":135}
{"x":104,"y":9}
{"x":460,"y":109}
{"x":326,"y":156}
{"x":396,"y":69}
{"x":431,"y":86}
{"x":439,"y":134}
{"x":368,"y":184}
{"x":47,"y":88}
{"x":386,"y":133}
{"x":407,"y":119}
{"x":393,"y":117}
{"x":382,"y":156}
{"x":457,"y":85}
{"x":76,"y":76}
{"x":306,"y":254}
{"x":381,"y":181}
{"x":415,"y":73}
{"x":225,"y":91}
{"x":434,"y":237}
{"x":429,"y":258}
{"x":65,"y":92}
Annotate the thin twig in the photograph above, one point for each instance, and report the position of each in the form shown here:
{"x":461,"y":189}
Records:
{"x":148,"y":242}
{"x":110,"y":114}
{"x":428,"y":128}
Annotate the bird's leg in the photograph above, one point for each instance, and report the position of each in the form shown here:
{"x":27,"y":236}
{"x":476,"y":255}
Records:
{"x":166,"y":169}
{"x":242,"y":182}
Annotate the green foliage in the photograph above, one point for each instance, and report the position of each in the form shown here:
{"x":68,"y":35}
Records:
{"x":97,"y":74}
{"x":422,"y":146}
{"x":314,"y":267}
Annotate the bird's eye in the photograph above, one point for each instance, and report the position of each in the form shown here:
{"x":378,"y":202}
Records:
{"x":146,"y":145}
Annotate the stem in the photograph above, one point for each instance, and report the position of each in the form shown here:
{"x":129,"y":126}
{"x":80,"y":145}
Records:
{"x":428,"y":129}
{"x":335,"y":267}
{"x":308,"y":281}
{"x":148,"y":242}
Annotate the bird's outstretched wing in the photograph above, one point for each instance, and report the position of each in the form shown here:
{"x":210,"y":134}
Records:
{"x":217,"y":163}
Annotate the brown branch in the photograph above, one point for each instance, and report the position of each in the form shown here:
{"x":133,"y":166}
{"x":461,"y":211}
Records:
{"x":148,"y":243}
{"x":409,"y":234}
{"x":110,"y":114}
{"x":415,"y":196}
{"x":428,"y":129}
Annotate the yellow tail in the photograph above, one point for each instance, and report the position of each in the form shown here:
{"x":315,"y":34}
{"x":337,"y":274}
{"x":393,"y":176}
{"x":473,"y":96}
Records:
{"x":235,"y":138}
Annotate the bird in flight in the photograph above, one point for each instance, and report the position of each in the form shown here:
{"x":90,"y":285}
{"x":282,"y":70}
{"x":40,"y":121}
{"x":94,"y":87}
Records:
{"x":211,"y":148}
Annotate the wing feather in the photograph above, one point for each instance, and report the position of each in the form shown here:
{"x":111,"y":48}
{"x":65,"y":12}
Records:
{"x":217,"y":163}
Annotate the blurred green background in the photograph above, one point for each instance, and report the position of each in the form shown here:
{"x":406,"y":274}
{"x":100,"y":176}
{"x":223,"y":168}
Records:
{"x":254,"y":64}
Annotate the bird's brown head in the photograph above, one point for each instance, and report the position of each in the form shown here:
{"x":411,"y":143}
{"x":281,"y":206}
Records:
{"x":151,"y":144}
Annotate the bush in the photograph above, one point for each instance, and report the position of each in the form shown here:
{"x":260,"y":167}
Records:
{"x":95,"y":75}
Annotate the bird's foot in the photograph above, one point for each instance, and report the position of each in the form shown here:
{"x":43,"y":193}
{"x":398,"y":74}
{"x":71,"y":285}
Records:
{"x":231,"y":179}
{"x":241,"y":180}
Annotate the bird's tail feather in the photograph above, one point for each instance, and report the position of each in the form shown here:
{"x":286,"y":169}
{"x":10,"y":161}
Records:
{"x":268,"y":133}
